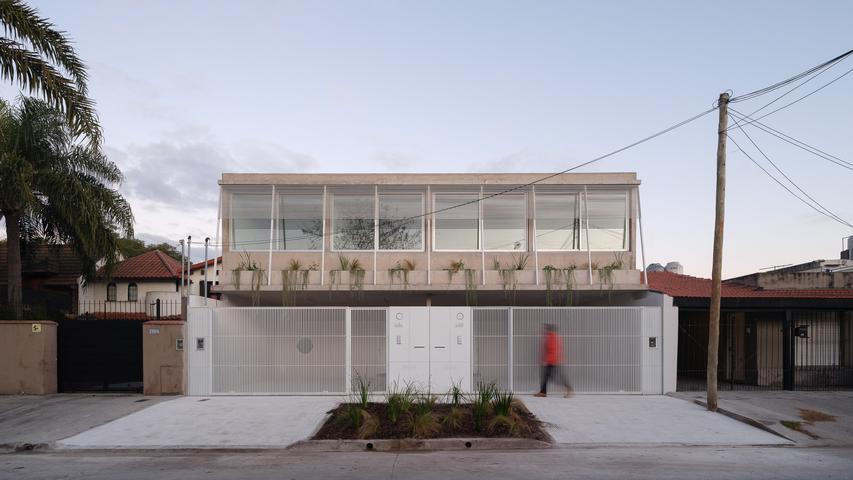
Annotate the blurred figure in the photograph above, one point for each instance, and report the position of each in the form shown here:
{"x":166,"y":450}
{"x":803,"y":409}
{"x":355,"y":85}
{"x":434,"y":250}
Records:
{"x":552,"y":355}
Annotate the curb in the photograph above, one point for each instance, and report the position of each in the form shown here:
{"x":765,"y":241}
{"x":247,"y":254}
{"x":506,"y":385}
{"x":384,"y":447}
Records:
{"x":744,"y":419}
{"x":419,"y":445}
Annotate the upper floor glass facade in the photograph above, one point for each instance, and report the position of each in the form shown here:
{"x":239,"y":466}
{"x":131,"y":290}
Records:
{"x":438,"y":218}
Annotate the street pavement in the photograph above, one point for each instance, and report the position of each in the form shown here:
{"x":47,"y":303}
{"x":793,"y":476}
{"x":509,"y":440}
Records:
{"x":695,"y":463}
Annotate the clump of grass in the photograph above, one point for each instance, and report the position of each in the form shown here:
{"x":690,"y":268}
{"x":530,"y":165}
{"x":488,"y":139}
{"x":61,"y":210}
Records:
{"x":361,"y":392}
{"x":481,"y":403}
{"x":400,"y":401}
{"x":502,"y":402}
{"x":798,"y":426}
{"x":455,"y":394}
{"x":424,"y":422}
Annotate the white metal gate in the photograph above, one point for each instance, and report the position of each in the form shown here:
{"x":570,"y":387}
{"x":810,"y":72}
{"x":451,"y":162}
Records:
{"x":605,"y":349}
{"x":263,"y":351}
{"x":312,"y":350}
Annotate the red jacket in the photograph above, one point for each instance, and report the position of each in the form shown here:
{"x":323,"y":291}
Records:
{"x":552,"y":353}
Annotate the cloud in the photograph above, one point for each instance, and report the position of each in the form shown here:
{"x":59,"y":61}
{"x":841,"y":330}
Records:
{"x":183,"y":176}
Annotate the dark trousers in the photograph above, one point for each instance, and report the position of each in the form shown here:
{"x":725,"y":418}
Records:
{"x":555,"y":371}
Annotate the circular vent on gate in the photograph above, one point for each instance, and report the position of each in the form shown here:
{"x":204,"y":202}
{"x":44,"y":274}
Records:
{"x":304,"y":345}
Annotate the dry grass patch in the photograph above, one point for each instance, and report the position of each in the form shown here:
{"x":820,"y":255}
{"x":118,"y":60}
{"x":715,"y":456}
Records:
{"x":811,"y":416}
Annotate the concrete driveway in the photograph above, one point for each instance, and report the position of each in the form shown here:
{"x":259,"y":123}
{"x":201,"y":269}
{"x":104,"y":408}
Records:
{"x":809,"y":418}
{"x":48,"y":418}
{"x":214,"y":422}
{"x":635,"y":419}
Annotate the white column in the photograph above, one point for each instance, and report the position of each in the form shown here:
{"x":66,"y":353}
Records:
{"x":427,"y":234}
{"x":642,"y":245}
{"x":323,"y":217}
{"x":348,"y":354}
{"x":533,"y":233}
{"x":480,"y":236}
{"x":586,"y":217}
{"x":272,"y":232}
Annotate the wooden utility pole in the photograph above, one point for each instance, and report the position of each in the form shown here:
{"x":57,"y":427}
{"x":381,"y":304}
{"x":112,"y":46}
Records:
{"x":717,"y":270}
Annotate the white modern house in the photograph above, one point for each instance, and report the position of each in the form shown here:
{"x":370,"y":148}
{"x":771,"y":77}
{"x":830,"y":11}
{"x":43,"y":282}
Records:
{"x":431,"y":278}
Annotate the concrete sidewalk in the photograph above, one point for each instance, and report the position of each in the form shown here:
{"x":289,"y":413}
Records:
{"x":771,"y":408}
{"x":31,"y":419}
{"x":638,"y":420}
{"x":215,"y":422}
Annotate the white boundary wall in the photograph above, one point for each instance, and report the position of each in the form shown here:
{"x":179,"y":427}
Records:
{"x":322,"y":350}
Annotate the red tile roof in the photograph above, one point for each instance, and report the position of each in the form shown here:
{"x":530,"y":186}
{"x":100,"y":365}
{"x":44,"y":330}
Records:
{"x":676,"y":285}
{"x":150,"y":265}
{"x":199,"y":265}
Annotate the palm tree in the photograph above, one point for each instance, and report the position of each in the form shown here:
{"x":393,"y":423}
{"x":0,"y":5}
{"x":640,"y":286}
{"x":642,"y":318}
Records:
{"x":42,"y":60}
{"x":52,"y":188}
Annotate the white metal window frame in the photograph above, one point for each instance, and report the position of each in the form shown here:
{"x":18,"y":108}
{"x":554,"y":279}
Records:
{"x":332,"y":220}
{"x":379,"y":195}
{"x":234,"y":246}
{"x":526,"y":240}
{"x":626,"y":238}
{"x":578,"y":218}
{"x":282,"y":190}
{"x":479,"y":197}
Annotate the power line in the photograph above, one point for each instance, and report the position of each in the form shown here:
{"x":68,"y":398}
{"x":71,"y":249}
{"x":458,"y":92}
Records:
{"x":799,"y":99}
{"x":782,"y":184}
{"x":795,"y":142}
{"x":783,"y":83}
{"x":828,"y":211}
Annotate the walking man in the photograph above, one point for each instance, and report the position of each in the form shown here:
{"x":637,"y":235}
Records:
{"x":552,"y":355}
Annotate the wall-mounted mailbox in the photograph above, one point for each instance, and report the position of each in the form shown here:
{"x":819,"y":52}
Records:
{"x":199,"y":343}
{"x":653,"y":342}
{"x":179,"y":344}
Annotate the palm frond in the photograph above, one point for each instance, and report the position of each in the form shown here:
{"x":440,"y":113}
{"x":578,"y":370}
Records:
{"x":39,"y":77}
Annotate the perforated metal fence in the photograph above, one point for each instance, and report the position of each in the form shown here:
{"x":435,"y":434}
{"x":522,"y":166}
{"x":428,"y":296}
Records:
{"x":279,"y":350}
{"x":370,"y":347}
{"x":289,"y":350}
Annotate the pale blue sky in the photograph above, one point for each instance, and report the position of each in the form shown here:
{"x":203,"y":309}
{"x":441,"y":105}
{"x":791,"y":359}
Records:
{"x":186,"y":90}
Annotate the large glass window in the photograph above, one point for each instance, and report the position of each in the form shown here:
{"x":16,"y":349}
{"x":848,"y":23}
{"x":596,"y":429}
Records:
{"x":300,"y":221}
{"x":111,"y":292}
{"x":352,"y":223}
{"x":557,"y":221}
{"x":400,"y":222}
{"x":505,"y":222}
{"x":132,"y":292}
{"x":608,"y":219}
{"x":457,"y":228}
{"x":250,"y":221}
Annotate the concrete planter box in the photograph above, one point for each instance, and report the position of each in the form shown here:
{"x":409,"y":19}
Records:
{"x":339,"y":280}
{"x":415,"y":278}
{"x":442,"y":277}
{"x":313,"y":278}
{"x":522,"y":277}
{"x":244,"y":278}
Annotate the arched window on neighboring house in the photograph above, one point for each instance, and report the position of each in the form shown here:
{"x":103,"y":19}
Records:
{"x":132,"y":293}
{"x":111,"y":292}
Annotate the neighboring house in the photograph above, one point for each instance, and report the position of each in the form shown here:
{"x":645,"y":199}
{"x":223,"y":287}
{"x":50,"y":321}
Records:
{"x":50,"y":276}
{"x":778,"y":329}
{"x":196,"y":278}
{"x":434,"y":279}
{"x":133,"y":287}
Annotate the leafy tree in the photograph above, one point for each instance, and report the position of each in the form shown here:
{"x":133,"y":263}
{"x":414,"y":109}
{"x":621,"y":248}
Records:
{"x":40,"y":58}
{"x":131,"y":247}
{"x":53,"y":188}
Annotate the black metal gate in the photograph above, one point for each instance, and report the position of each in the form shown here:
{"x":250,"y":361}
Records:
{"x":99,"y":355}
{"x":768,"y":350}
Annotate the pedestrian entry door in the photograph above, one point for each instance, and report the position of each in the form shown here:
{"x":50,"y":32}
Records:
{"x":430,"y":347}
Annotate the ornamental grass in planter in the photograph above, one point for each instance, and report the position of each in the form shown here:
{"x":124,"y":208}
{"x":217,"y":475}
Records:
{"x":407,"y":412}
